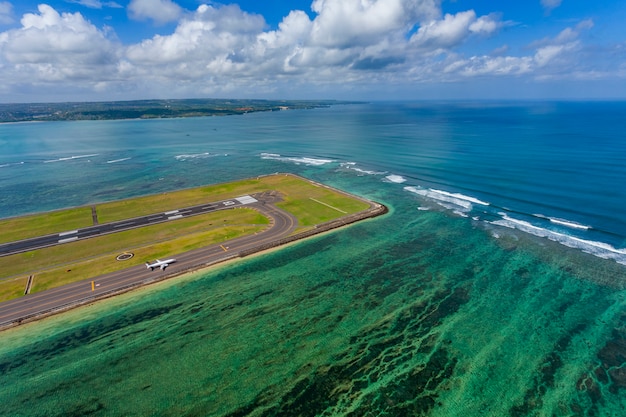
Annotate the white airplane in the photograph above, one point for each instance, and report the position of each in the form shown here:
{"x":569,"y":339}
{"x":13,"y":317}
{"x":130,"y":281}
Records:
{"x":160,"y":264}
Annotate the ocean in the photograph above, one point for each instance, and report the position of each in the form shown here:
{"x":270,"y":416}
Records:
{"x":495,"y":286}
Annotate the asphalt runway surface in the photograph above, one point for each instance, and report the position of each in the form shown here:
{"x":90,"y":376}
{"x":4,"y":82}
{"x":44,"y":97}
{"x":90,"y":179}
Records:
{"x":102,"y":229}
{"x":30,"y":306}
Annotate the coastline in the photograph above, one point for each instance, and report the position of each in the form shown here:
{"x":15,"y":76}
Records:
{"x":375,"y":209}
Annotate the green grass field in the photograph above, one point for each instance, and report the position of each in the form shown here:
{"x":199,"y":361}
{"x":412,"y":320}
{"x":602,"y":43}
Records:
{"x":311,"y":204}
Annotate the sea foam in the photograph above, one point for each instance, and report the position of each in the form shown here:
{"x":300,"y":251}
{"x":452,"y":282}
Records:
{"x":599,"y":249}
{"x":443,"y":199}
{"x":185,"y":157}
{"x":11,"y":164}
{"x":398,"y":179}
{"x":296,"y":160}
{"x":352,"y":166}
{"x":70,"y":158}
{"x":570,"y":224}
{"x":114,"y":161}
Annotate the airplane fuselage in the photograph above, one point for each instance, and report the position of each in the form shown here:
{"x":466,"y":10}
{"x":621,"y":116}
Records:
{"x":160,"y":264}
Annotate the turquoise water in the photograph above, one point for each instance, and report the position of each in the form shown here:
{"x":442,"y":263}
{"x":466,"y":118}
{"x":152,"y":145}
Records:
{"x":494,"y":287}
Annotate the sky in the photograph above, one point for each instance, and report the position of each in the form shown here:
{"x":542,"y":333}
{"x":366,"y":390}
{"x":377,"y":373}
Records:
{"x":98,"y":50}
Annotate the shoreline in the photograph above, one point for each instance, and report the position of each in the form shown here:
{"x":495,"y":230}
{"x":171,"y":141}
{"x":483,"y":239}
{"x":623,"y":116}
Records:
{"x":375,"y":209}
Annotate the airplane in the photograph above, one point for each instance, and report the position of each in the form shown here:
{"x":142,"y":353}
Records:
{"x":160,"y":264}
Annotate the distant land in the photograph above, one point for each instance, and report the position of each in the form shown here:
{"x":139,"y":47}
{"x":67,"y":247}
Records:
{"x":149,"y":109}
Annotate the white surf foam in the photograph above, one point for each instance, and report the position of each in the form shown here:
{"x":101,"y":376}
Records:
{"x":443,"y":199}
{"x":203,"y":155}
{"x":69,"y":158}
{"x":296,"y":160}
{"x":352,"y":166}
{"x":599,"y":249}
{"x":570,"y":224}
{"x":11,"y":164}
{"x":398,"y":179}
{"x":461,"y":197}
{"x":113,"y":161}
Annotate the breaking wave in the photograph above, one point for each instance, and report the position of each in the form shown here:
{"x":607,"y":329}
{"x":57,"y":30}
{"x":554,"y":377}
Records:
{"x":352,"y":166}
{"x":185,"y":157}
{"x":70,"y":158}
{"x":113,"y":161}
{"x":565,"y":232}
{"x":398,"y":179}
{"x":11,"y":164}
{"x":600,"y":249}
{"x":459,"y":203}
{"x":296,"y":160}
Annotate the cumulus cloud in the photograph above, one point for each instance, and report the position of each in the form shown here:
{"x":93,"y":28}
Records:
{"x":159,"y":11}
{"x":6,"y":13}
{"x":344,"y":23}
{"x":210,"y":37}
{"x":552,"y":55}
{"x":453,"y":29}
{"x":56,"y":47}
{"x":221,"y":49}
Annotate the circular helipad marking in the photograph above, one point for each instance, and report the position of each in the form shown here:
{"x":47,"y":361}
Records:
{"x":125,"y":256}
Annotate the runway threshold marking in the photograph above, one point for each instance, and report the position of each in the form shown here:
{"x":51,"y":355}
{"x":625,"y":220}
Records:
{"x":71,"y":232}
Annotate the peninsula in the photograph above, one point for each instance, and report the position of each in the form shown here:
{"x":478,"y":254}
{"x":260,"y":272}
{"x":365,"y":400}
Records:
{"x":149,"y":109}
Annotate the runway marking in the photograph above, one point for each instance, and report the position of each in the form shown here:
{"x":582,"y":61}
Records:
{"x":167,"y":213}
{"x":328,"y":205}
{"x":246,"y":199}
{"x":71,"y":232}
{"x":124,"y":225}
{"x":154,"y":218}
{"x":93,"y":286}
{"x":71,"y":239}
{"x":175,"y":217}
{"x":222,"y":246}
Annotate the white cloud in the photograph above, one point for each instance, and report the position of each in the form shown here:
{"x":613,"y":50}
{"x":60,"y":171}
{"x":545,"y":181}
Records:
{"x":160,"y":11}
{"x":6,"y":13}
{"x":550,"y":4}
{"x":96,"y":4}
{"x":213,"y":41}
{"x":55,"y":47}
{"x":453,"y":29}
{"x":223,"y":50}
{"x":345,"y":23}
{"x":485,"y":65}
{"x":558,"y":55}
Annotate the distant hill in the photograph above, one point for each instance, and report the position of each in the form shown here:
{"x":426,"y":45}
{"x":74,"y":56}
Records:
{"x":149,"y":109}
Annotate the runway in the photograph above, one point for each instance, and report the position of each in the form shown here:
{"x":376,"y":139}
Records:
{"x":31,"y":306}
{"x":107,"y":228}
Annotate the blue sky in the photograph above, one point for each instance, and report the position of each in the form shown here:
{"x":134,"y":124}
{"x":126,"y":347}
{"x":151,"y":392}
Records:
{"x":75,"y":50}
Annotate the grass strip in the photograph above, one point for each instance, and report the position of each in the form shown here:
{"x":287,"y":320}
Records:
{"x":42,"y":224}
{"x":106,"y":263}
{"x":34,"y":262}
{"x":92,"y":257}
